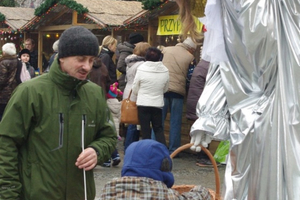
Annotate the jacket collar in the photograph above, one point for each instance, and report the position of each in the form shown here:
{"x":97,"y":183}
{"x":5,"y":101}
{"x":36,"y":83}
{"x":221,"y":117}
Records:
{"x":133,"y":58}
{"x":156,"y":67}
{"x":63,"y":79}
{"x":8,"y":57}
{"x":106,"y":50}
{"x":129,"y":45}
{"x":190,"y":50}
{"x":125,"y":47}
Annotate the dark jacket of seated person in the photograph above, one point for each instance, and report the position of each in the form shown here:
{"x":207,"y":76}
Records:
{"x":146,"y":174}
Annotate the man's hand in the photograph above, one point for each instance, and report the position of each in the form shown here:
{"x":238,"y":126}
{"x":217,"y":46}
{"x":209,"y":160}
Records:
{"x":87,"y":159}
{"x":200,"y":138}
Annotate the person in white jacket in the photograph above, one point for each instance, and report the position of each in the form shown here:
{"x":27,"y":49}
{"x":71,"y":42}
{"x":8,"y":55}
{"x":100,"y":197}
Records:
{"x":150,"y":84}
{"x":133,"y":61}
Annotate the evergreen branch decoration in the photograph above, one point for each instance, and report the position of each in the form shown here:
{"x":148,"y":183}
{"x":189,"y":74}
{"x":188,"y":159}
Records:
{"x":2,"y":17}
{"x":151,"y":4}
{"x":7,"y":3}
{"x":69,"y":3}
{"x":74,"y":5}
{"x":44,"y":7}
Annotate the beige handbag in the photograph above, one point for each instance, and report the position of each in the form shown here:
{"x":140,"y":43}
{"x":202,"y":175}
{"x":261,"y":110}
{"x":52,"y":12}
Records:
{"x":129,"y":111}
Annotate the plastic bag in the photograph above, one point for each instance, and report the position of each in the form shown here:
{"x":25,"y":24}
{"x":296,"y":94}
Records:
{"x":222,"y":151}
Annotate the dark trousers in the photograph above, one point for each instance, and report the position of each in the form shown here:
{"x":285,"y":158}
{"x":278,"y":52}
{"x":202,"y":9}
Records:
{"x":151,"y":115}
{"x":115,"y":154}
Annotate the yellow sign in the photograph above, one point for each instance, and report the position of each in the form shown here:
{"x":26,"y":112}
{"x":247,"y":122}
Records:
{"x":171,"y":25}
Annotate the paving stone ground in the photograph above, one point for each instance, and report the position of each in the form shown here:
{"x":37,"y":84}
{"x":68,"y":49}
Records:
{"x":185,"y":171}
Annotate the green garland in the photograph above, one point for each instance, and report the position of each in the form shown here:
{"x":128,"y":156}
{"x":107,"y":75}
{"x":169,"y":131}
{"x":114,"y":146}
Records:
{"x":2,"y":17}
{"x":7,"y":3}
{"x":151,"y":4}
{"x":69,"y":3}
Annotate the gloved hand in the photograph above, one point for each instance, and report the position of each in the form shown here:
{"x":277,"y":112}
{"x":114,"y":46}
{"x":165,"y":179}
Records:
{"x":200,"y":138}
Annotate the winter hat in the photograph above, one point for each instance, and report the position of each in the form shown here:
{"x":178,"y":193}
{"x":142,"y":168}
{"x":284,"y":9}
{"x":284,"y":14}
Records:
{"x":9,"y":49}
{"x":190,"y":43}
{"x":23,"y":51}
{"x":114,"y":91}
{"x":77,"y":41}
{"x":148,"y":158}
{"x":135,"y":38}
{"x":55,"y":46}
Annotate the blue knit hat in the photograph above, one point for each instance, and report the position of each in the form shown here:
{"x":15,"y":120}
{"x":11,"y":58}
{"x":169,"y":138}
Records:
{"x":148,"y":158}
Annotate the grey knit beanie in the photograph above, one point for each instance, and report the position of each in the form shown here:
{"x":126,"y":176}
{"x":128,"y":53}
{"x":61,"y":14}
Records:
{"x":77,"y":41}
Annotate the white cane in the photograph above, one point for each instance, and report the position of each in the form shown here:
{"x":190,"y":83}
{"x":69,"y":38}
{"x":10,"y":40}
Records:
{"x":82,"y":146}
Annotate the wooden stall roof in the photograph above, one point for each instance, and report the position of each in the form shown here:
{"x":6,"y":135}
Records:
{"x":16,"y":17}
{"x":100,"y":14}
{"x":111,"y":12}
{"x":142,"y":18}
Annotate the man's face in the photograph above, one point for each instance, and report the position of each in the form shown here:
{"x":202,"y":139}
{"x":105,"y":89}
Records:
{"x":77,"y":66}
{"x":25,"y":57}
{"x":29,"y":45}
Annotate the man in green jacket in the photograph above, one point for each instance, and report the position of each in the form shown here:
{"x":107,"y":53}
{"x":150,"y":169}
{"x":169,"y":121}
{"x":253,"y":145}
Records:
{"x":45,"y":123}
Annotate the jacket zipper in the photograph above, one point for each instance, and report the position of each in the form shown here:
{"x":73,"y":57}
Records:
{"x":61,"y":132}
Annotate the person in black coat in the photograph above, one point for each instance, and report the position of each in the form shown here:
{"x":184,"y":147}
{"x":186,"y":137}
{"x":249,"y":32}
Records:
{"x":107,"y":50}
{"x":195,"y":90}
{"x":196,"y":87}
{"x":30,"y":44}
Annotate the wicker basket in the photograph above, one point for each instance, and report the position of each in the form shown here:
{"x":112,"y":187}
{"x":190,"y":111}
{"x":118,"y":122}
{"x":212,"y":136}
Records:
{"x":215,"y":195}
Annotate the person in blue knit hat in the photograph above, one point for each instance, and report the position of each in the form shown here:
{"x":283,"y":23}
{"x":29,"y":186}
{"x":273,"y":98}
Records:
{"x":146,"y":174}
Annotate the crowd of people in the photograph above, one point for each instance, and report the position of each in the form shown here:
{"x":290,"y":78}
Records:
{"x":56,"y":128}
{"x":39,"y":155}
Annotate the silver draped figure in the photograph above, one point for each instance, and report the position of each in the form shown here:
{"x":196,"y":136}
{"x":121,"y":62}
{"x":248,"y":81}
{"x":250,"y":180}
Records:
{"x":252,"y":96}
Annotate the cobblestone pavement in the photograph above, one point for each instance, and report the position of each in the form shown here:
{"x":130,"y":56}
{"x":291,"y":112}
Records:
{"x":185,"y":171}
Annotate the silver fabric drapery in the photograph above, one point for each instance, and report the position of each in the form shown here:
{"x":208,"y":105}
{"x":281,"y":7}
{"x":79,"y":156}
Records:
{"x":253,"y":99}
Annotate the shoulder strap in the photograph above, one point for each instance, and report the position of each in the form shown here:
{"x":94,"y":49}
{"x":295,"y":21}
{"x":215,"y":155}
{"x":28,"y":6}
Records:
{"x":129,"y":94}
{"x":18,"y":72}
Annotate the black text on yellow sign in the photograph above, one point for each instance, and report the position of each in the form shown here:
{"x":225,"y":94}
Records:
{"x":170,"y":25}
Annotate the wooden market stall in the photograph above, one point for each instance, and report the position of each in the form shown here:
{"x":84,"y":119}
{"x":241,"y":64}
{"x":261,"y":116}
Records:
{"x":164,"y":29}
{"x":103,"y":17}
{"x":149,"y":20}
{"x":163,"y":22}
{"x":11,"y":20}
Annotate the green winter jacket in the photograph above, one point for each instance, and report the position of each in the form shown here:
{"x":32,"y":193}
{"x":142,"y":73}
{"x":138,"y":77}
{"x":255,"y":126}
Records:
{"x":40,"y":137}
